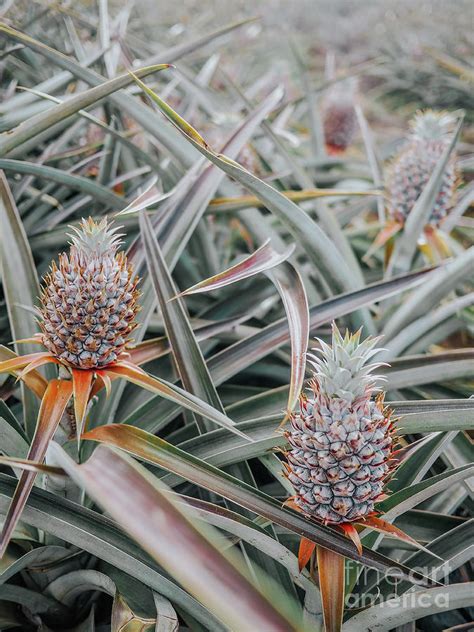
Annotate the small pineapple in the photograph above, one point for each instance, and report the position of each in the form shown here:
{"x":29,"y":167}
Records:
{"x":89,"y":302}
{"x":339,"y":117}
{"x":340,"y":439}
{"x":411,"y":169}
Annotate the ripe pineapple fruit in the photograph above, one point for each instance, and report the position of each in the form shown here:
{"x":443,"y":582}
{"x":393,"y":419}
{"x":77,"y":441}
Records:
{"x":340,"y":439}
{"x":89,"y":302}
{"x":339,"y":117}
{"x":411,"y":169}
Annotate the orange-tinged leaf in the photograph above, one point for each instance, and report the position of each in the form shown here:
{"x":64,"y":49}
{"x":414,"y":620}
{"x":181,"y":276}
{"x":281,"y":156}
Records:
{"x":373,"y":522}
{"x":305,"y":552}
{"x":291,"y":503}
{"x":149,"y":350}
{"x":331,"y":584}
{"x":19,"y":362}
{"x":387,"y":232}
{"x":106,"y":383}
{"x":169,"y":391}
{"x":350,"y":530}
{"x":37,"y":339}
{"x":437,"y":243}
{"x":36,"y":383}
{"x":46,"y":359}
{"x":51,"y":410}
{"x":427,"y":249}
{"x":34,"y":380}
{"x":389,"y":248}
{"x":81,"y":383}
{"x":262,"y":259}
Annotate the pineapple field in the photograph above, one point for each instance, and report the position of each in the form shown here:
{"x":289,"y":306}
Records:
{"x":236,"y":316}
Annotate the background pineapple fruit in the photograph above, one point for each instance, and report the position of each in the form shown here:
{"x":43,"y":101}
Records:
{"x":88,"y":302}
{"x":341,"y":437}
{"x":411,"y":169}
{"x":339,"y":117}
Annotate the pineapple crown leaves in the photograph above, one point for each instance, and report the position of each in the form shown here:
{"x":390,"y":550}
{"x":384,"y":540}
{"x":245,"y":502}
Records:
{"x":342,"y":369}
{"x":95,"y":238}
{"x":430,"y":125}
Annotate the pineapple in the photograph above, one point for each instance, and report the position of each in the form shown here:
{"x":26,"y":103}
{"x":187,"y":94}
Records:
{"x":339,"y":117}
{"x":340,"y":439}
{"x":412,"y":167}
{"x":89,"y":301}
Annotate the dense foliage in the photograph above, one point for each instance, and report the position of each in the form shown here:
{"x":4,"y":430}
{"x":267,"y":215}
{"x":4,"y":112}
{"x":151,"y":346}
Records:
{"x":185,"y":211}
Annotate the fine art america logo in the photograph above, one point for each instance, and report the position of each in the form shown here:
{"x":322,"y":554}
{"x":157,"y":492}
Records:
{"x":391,"y":590}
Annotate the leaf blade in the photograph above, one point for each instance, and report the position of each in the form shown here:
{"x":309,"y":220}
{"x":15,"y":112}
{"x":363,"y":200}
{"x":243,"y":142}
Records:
{"x":130,"y":495}
{"x":52,"y":407}
{"x":157,"y":451}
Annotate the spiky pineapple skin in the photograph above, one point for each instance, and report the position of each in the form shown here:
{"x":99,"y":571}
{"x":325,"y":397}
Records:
{"x":341,"y":437}
{"x":410,"y":170}
{"x":88,"y":302}
{"x":339,"y":457}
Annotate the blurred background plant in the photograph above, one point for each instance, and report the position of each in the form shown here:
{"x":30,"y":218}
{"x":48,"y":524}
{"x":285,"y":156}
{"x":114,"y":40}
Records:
{"x":313,"y":100}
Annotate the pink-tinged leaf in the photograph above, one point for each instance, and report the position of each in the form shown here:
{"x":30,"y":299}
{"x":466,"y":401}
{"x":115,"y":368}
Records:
{"x":389,"y":529}
{"x":157,"y":451}
{"x":169,"y":391}
{"x":138,"y":502}
{"x":331,"y":585}
{"x":305,"y":551}
{"x":34,"y":380}
{"x":293,"y":294}
{"x":81,"y":383}
{"x":150,"y":195}
{"x":51,"y":410}
{"x":262,"y":259}
{"x":350,"y":530}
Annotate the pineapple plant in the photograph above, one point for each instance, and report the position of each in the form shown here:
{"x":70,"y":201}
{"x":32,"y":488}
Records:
{"x":89,"y":302}
{"x":407,"y":176}
{"x":341,"y":455}
{"x":339,"y":118}
{"x":91,"y":539}
{"x":340,"y":440}
{"x":412,"y":167}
